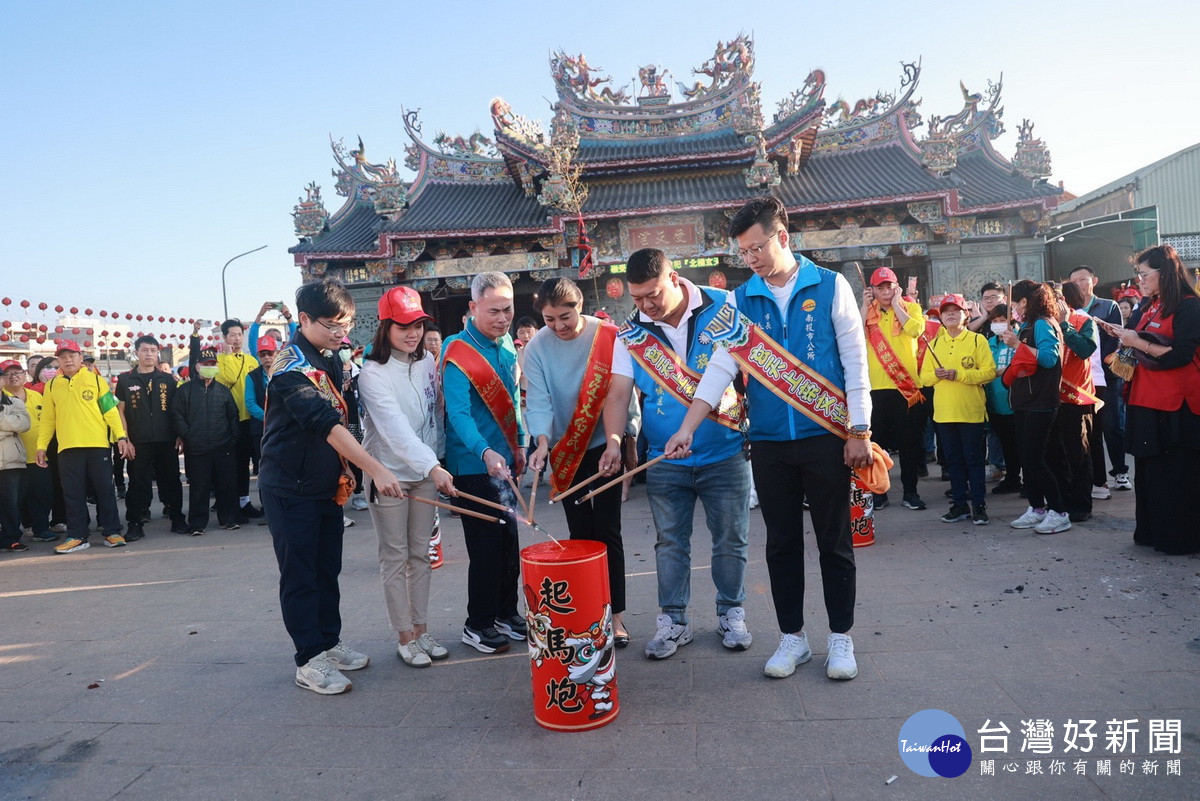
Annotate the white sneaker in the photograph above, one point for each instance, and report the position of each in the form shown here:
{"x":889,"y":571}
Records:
{"x":1030,"y":519}
{"x":993,"y":473}
{"x":344,"y":658}
{"x":840,"y":664}
{"x":1054,"y":523}
{"x":793,"y":650}
{"x":359,"y":503}
{"x":1101,"y":492}
{"x":413,"y":655}
{"x":347,"y":522}
{"x":321,"y":676}
{"x":1122,"y":481}
{"x":668,"y":636}
{"x":732,"y":628}
{"x":432,"y":647}
{"x":753,"y":499}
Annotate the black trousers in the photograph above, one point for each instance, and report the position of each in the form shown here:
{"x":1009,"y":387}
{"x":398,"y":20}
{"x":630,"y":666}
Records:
{"x":37,"y":494}
{"x":158,"y":461}
{"x":307,"y":535}
{"x":118,"y":467}
{"x":1165,"y":516}
{"x":211,"y":472}
{"x":10,"y":506}
{"x":83,"y":470}
{"x":785,"y":473}
{"x":600,"y":520}
{"x":495,"y":569}
{"x":1005,"y":426}
{"x":1070,"y":456}
{"x":246,"y":432}
{"x":1033,"y":437}
{"x":58,"y":504}
{"x":1113,"y":425}
{"x":896,"y":426}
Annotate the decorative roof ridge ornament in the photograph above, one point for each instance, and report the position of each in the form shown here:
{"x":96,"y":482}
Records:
{"x":655,"y":90}
{"x":309,"y":215}
{"x":514,"y":126}
{"x":763,"y":174}
{"x":803,"y":100}
{"x":840,"y":114}
{"x":475,"y":146}
{"x":1032,"y":159}
{"x":731,"y":61}
{"x":574,"y":77}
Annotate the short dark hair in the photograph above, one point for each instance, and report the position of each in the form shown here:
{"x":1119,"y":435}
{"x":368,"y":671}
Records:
{"x":558,"y":292}
{"x":991,"y":286}
{"x":1079,"y":267}
{"x":1072,"y":294}
{"x":527,"y":322}
{"x":647,"y":264}
{"x":998,"y":311}
{"x":326,"y":298}
{"x":381,"y":346}
{"x":137,"y":343}
{"x":229,"y":325}
{"x":766,"y":211}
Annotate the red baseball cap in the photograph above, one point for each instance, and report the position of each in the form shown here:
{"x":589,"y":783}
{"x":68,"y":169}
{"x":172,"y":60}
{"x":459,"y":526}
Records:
{"x":8,"y":364}
{"x":402,"y":304}
{"x":883,"y":275}
{"x":267,"y":343}
{"x":952,"y":300}
{"x":66,"y":344}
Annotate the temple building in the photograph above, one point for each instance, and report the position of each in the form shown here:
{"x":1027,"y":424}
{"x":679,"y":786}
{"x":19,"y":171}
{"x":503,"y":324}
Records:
{"x":662,"y":164}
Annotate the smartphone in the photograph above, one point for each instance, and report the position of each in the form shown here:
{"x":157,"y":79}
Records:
{"x":277,"y":305}
{"x":912,"y":285}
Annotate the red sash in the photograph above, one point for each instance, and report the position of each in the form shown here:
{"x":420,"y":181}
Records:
{"x":568,"y":452}
{"x":487,"y":383}
{"x":1076,"y":387}
{"x":932,"y":329}
{"x":677,"y":379}
{"x":892,"y":365}
{"x":769,"y":363}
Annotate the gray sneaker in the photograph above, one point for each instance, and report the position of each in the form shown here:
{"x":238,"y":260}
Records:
{"x":412,"y":654}
{"x":432,"y":647}
{"x":732,"y":628}
{"x":321,"y":676}
{"x":344,"y":658}
{"x":667,"y":639}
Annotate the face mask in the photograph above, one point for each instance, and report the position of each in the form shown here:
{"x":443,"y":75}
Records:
{"x":999,"y":328}
{"x":345,"y":355}
{"x":208,"y":371}
{"x":49,"y":374}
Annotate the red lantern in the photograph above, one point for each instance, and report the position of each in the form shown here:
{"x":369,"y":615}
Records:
{"x":6,"y":301}
{"x":74,"y":310}
{"x":24,"y":338}
{"x":7,"y":324}
{"x":87,"y":312}
{"x":42,"y":306}
{"x":24,"y":304}
{"x":58,"y":329}
{"x":58,"y":309}
{"x":139,"y":317}
{"x":87,"y":343}
{"x":172,"y":319}
{"x":615,"y":287}
{"x":103,"y":313}
{"x":4,"y":337}
{"x":89,"y":332}
{"x":716,"y":279}
{"x":42,"y":328}
{"x":74,"y":330}
{"x":128,"y":316}
{"x":41,"y":339}
{"x":160,"y":319}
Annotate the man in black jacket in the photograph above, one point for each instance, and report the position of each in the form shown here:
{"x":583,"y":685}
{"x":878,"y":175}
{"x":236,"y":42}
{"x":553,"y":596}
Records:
{"x":144,"y":398}
{"x":206,"y":420}
{"x":304,"y":448}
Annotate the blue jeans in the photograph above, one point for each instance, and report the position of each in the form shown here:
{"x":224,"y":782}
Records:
{"x":724,"y":490}
{"x":963,"y":445}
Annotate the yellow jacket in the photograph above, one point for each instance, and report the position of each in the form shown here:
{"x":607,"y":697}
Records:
{"x":80,"y":411}
{"x":232,"y":369}
{"x":33,"y":405}
{"x":962,"y":400}
{"x":903,"y":343}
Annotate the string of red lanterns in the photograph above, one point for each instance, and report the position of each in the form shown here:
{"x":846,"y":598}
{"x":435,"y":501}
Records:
{"x":27,"y":331}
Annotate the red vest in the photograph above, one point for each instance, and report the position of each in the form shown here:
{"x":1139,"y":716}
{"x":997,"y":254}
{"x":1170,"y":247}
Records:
{"x":1076,"y":372}
{"x":1165,"y":390}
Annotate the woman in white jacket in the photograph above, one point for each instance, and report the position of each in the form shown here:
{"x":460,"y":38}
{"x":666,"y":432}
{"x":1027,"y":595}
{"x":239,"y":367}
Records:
{"x":14,"y":420}
{"x":402,"y":410}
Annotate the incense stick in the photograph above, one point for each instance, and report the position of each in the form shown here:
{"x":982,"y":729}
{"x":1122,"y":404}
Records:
{"x":620,"y":478}
{"x":520,"y":498}
{"x":533,"y":498}
{"x":573,"y":488}
{"x":458,"y":509}
{"x":484,"y":502}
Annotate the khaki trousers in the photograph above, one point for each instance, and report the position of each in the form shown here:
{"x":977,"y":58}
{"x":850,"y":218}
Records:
{"x":403,"y":529}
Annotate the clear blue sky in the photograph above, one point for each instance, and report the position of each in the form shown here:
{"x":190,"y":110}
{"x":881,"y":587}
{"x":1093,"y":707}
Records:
{"x":145,"y":143}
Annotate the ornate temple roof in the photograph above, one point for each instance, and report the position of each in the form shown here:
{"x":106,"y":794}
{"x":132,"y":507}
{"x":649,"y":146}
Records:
{"x":612,"y":151}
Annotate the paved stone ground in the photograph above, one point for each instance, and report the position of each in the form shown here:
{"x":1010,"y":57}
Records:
{"x":162,"y":671}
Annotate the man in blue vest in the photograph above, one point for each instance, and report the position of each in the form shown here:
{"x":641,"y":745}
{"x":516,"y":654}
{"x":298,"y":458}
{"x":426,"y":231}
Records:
{"x":812,"y":313}
{"x":659,"y":350}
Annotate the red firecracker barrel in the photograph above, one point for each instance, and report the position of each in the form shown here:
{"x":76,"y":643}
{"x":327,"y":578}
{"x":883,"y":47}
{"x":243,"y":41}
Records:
{"x":571,"y":656}
{"x":862,"y":513}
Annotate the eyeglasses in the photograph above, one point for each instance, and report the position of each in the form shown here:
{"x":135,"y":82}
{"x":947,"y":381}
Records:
{"x":337,"y":330}
{"x":756,"y":249}
{"x":1143,"y":275}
